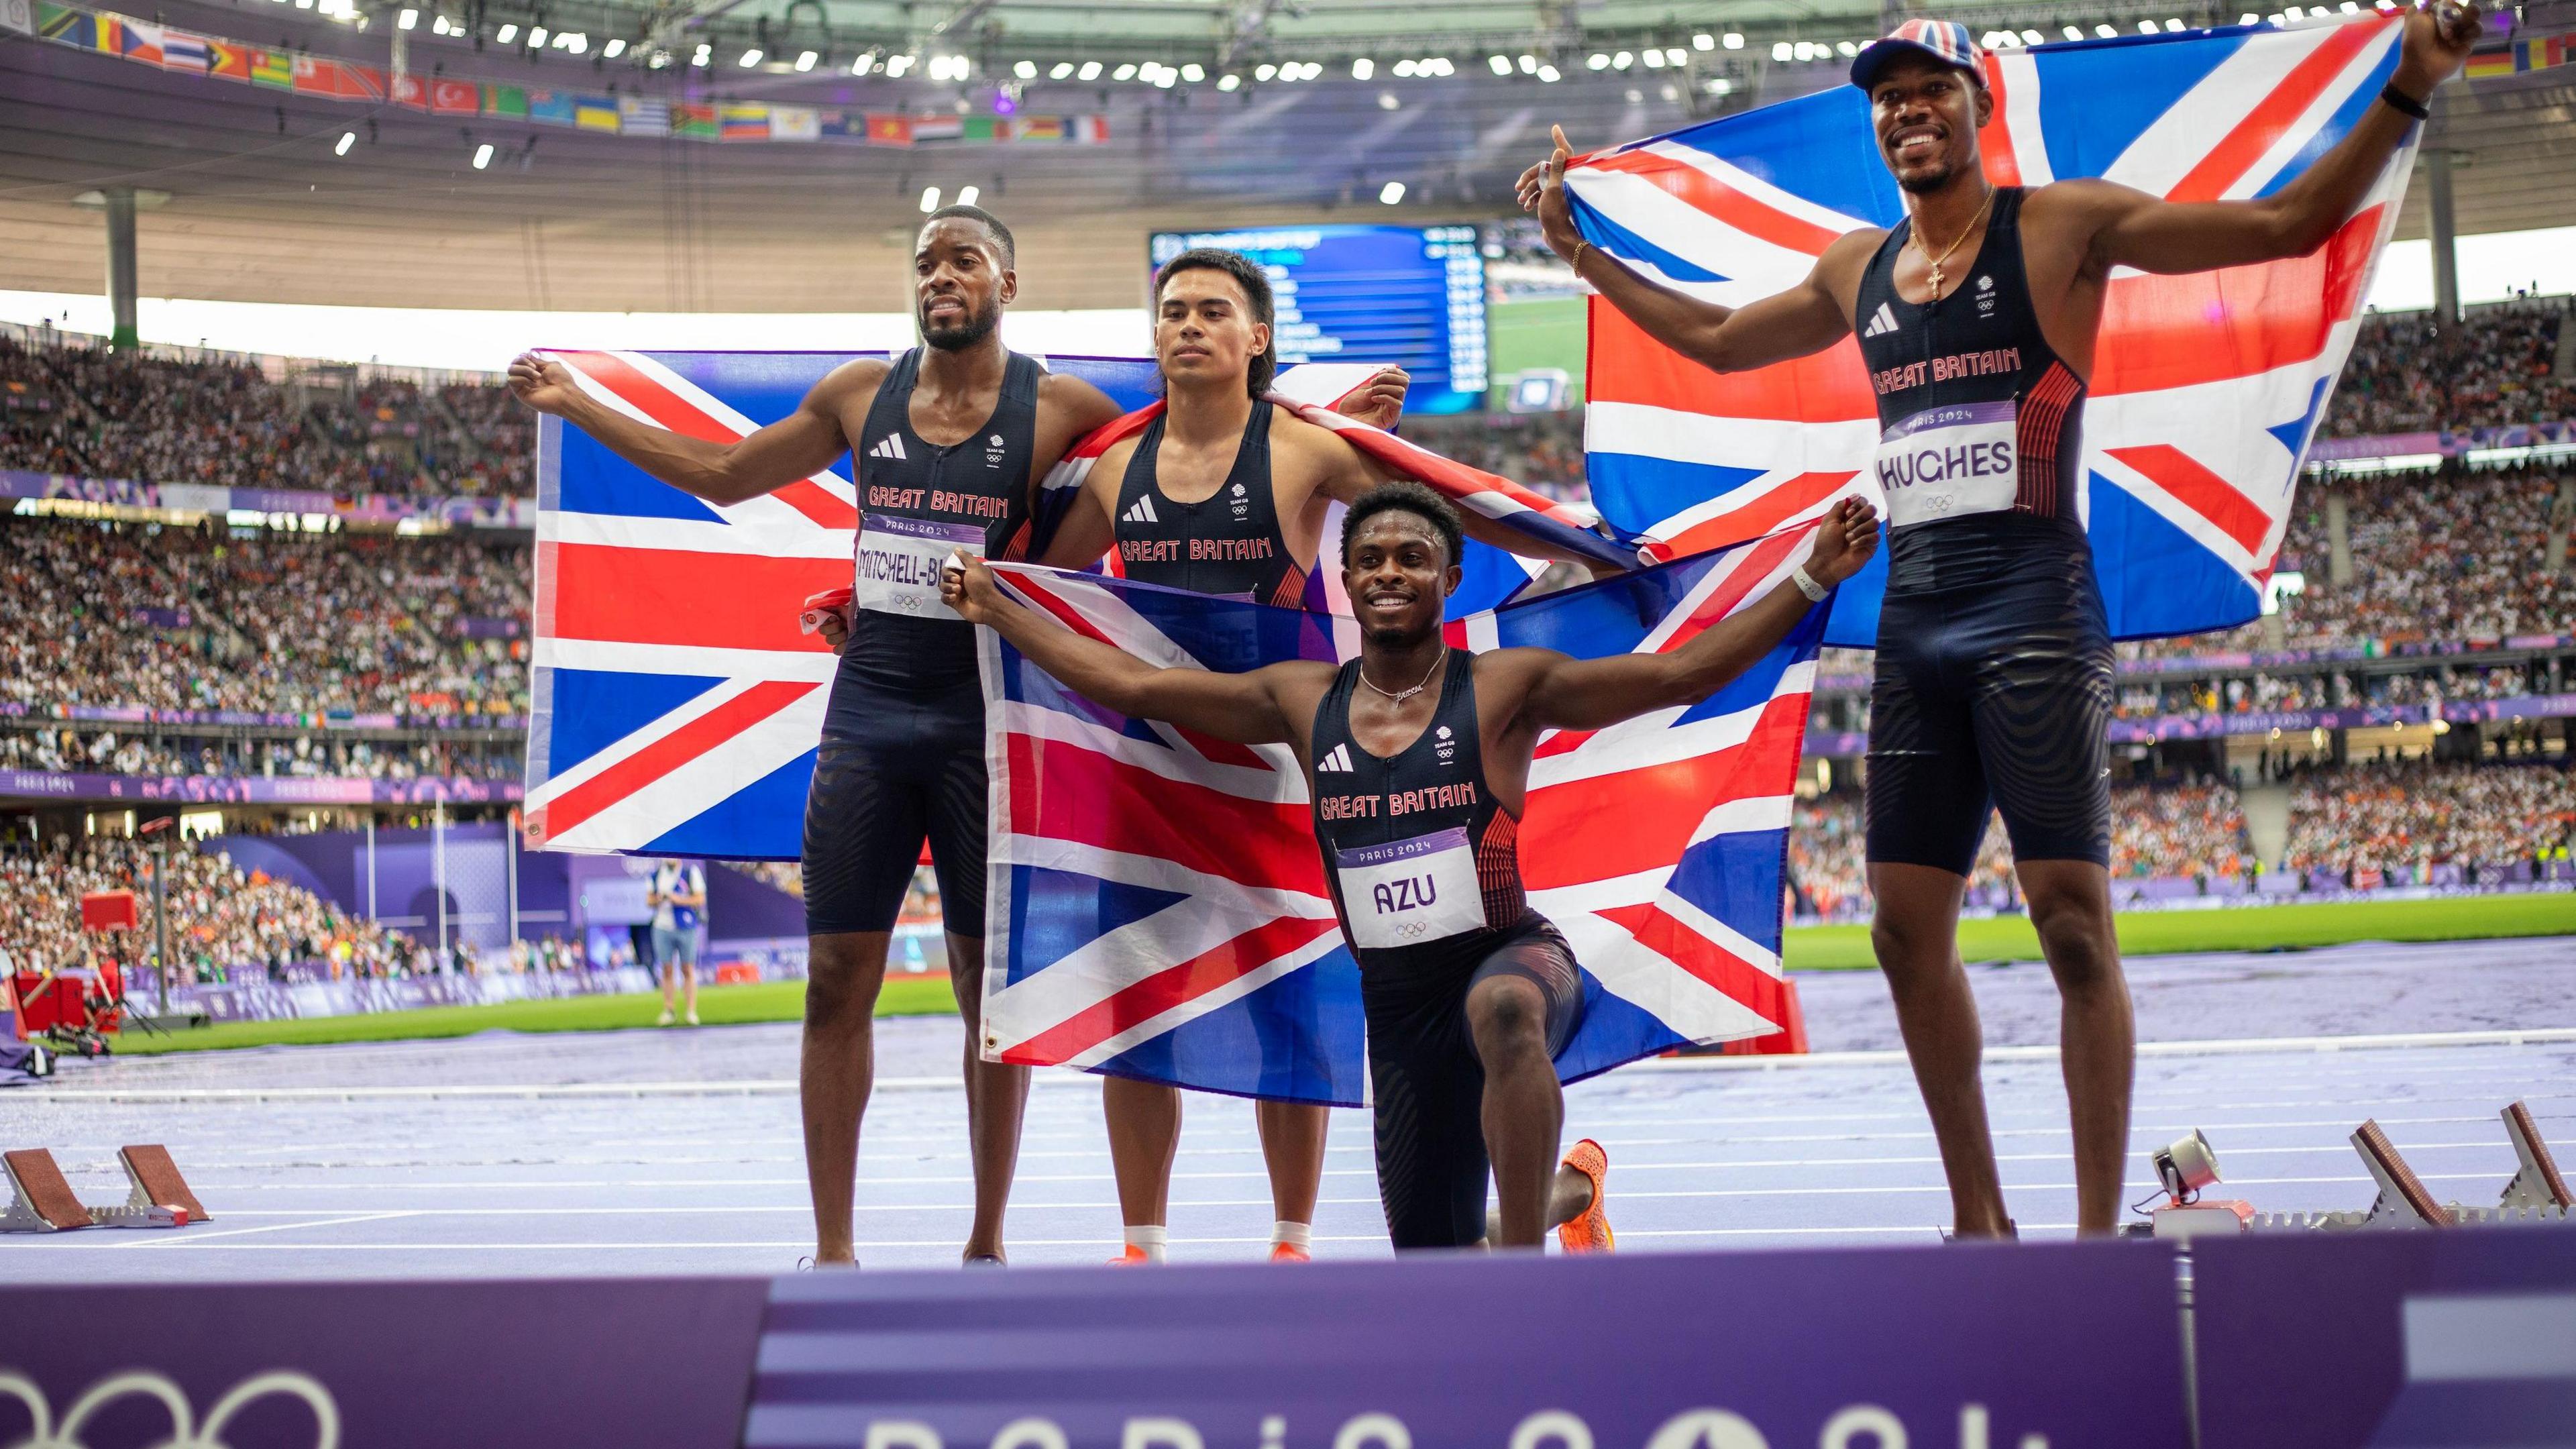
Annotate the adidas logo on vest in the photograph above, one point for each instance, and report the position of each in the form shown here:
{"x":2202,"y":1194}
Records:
{"x":891,"y":447}
{"x":1881,"y":321}
{"x":1338,"y":762}
{"x":1143,"y":512}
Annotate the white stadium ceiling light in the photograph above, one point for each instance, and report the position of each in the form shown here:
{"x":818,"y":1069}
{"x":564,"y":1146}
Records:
{"x":1529,"y":65}
{"x":750,"y":58}
{"x":2149,"y":27}
{"x":2033,"y":37}
{"x":1703,"y":41}
{"x":615,"y":47}
{"x":1847,"y":50}
{"x":438,"y":25}
{"x":1499,"y":64}
{"x":505,"y":35}
{"x":1124,"y":72}
{"x":1194,"y":72}
{"x":1734,"y":40}
{"x":483,"y":156}
{"x":1229,"y":82}
{"x":537,"y":38}
{"x":1060,"y":70}
{"x":966,"y":195}
{"x":2249,"y":18}
{"x":1165,"y":78}
{"x":1673,"y":56}
{"x":1549,"y":74}
{"x":1386,"y":101}
{"x":1622,"y":61}
{"x":2071,"y":32}
{"x":578,"y":42}
{"x":1391,"y":193}
{"x":1090,"y":71}
{"x":2106,"y":30}
{"x":805,"y":60}
{"x":1720,"y":86}
{"x":1598,"y":61}
{"x":347,"y":140}
{"x":407,"y":19}
{"x":1363,"y":68}
{"x":1780,"y":50}
{"x":1025,"y":69}
{"x":929,"y":199}
{"x":1654,"y":59}
{"x":1404,"y":68}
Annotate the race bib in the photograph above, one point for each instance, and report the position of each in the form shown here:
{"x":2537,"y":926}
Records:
{"x":1946,"y":462}
{"x":899,"y":561}
{"x":1411,"y":891}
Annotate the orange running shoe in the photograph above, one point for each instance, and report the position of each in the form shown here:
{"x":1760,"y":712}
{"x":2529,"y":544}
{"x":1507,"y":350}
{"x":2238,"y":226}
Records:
{"x":1589,"y":1232}
{"x":1289,"y":1253}
{"x":1131,"y":1256}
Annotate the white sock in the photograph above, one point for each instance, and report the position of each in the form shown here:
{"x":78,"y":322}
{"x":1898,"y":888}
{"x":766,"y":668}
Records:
{"x":1295,"y":1235}
{"x":1149,"y":1237}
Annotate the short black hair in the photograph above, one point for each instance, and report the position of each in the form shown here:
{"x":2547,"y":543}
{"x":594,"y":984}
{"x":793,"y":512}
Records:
{"x":1405,"y":496}
{"x":1255,"y":282}
{"x":991,"y":223}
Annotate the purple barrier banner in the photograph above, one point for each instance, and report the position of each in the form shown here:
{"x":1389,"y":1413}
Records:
{"x":379,"y":508}
{"x":2347,"y":1340}
{"x":2449,"y":442}
{"x":478,"y":626}
{"x":635,"y":1364}
{"x":2073,"y":1343}
{"x":2381,"y":445}
{"x":2213,"y":726}
{"x":2529,"y":706}
{"x":1837,"y":744}
{"x":256,"y":790}
{"x":330,"y":720}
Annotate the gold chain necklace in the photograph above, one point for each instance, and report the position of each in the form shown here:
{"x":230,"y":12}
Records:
{"x":1401,"y":697}
{"x":1926,"y":252}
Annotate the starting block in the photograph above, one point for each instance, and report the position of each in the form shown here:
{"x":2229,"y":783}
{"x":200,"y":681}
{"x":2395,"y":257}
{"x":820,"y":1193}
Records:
{"x":2538,"y":1184}
{"x":2537,"y":1194}
{"x":42,"y":1200}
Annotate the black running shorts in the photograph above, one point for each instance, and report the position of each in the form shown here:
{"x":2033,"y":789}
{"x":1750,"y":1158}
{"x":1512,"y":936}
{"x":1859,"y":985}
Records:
{"x":1993,"y":698}
{"x":1429,"y":1087}
{"x":896,"y":768}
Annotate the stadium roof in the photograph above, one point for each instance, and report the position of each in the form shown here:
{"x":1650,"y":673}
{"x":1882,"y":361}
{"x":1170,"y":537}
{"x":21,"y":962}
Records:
{"x":274,"y":195}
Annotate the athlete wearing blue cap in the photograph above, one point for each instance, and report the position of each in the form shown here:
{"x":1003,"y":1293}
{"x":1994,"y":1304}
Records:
{"x":1977,"y":318}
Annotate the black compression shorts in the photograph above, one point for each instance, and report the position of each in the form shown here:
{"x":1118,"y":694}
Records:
{"x":1429,"y":1087}
{"x":895,"y":769}
{"x":1992,"y":698}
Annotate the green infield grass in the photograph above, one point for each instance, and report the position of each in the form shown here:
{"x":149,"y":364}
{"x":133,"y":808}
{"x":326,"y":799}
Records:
{"x":1811,"y":948}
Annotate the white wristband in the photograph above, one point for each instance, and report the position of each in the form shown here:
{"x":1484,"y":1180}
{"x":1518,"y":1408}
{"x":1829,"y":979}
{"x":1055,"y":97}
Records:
{"x":1807,"y":585}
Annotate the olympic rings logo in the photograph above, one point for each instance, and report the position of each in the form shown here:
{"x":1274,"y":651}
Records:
{"x":184,"y":1433}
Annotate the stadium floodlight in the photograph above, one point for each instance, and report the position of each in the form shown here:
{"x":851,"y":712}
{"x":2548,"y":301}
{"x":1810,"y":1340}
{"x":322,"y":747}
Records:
{"x":1499,"y":64}
{"x":1126,"y":71}
{"x":1386,"y":101}
{"x":579,"y":42}
{"x":1194,"y":72}
{"x":1598,"y":61}
{"x":1090,"y":71}
{"x":407,"y":19}
{"x":1654,"y":59}
{"x":1673,"y":56}
{"x":1529,"y":65}
{"x":615,"y":47}
{"x":1703,"y":41}
{"x":2106,"y":30}
{"x":1780,"y":50}
{"x":537,"y":38}
{"x":1229,"y":82}
{"x":1165,"y":78}
{"x":751,"y":58}
{"x":1363,"y":68}
{"x":1060,"y":70}
{"x":347,"y":140}
{"x":2033,"y":37}
{"x":2149,"y":27}
{"x":2249,"y":18}
{"x":1404,"y":68}
{"x":1721,"y":86}
{"x":929,"y":199}
{"x":1264,"y":71}
{"x":1549,"y":75}
{"x":505,"y":35}
{"x":483,"y":156}
{"x":966,"y":195}
{"x":1847,"y":50}
{"x":1734,"y":40}
{"x":2349,"y":8}
{"x":1391,"y":193}
{"x":2070,"y":32}
{"x":438,"y":25}
{"x":1025,"y":69}
{"x":1622,"y":61}
{"x":805,"y":60}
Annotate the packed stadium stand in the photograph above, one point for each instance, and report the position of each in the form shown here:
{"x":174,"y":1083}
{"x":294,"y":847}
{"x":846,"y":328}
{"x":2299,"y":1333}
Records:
{"x":2404,"y":697}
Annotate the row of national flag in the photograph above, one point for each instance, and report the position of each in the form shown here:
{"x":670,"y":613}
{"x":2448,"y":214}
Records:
{"x":2522,"y":53}
{"x":170,"y":48}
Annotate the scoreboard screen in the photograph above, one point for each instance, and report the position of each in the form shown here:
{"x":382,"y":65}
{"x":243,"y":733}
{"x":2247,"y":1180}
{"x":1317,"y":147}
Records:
{"x":1410,"y":295}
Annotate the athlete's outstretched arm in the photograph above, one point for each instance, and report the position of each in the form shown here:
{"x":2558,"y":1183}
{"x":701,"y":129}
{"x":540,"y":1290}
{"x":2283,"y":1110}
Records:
{"x":1570,"y":693}
{"x":2133,"y":229}
{"x":1244,"y":708}
{"x":1807,"y":318}
{"x":799,"y":445}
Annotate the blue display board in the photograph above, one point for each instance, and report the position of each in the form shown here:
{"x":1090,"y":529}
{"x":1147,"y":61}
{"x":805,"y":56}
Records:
{"x":1410,"y":295}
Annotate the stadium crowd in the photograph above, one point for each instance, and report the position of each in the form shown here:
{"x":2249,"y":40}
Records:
{"x":2397,"y":817}
{"x":2497,"y":368}
{"x":222,"y":918}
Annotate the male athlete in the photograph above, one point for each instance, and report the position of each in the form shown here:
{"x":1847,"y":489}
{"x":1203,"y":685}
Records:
{"x":1978,"y":317}
{"x":1224,"y":493}
{"x":948,"y":441}
{"x":1417,"y":755}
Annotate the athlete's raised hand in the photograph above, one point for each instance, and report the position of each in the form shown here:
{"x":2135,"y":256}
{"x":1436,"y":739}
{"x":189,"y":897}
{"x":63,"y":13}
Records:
{"x":2438,"y":37}
{"x":543,"y":383}
{"x":1379,"y":401}
{"x":1542,"y":194}
{"x":1844,"y":542}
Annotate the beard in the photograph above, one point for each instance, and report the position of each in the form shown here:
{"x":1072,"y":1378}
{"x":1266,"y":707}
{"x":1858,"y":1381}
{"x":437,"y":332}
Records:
{"x":958,"y":336}
{"x":1924,"y":183}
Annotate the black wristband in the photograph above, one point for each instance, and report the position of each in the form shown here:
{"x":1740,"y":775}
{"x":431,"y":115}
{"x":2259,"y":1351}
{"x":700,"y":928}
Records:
{"x":2401,"y":101}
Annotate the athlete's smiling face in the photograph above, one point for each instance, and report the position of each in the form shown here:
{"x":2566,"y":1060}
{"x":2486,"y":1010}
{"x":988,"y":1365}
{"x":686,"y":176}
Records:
{"x":1927,"y":115}
{"x":1399,"y":574}
{"x":1205,"y":329}
{"x":960,"y":282}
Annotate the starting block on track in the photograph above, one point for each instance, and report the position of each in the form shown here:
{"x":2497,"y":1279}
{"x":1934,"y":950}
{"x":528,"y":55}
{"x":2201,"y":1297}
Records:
{"x":42,"y":1200}
{"x":2537,"y":1193}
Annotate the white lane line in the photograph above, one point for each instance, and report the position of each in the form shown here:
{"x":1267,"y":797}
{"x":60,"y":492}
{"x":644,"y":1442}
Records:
{"x":194,"y":1239}
{"x":786,"y":1086}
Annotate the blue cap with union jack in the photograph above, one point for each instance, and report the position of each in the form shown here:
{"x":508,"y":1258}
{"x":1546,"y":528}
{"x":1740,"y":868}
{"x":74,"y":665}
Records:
{"x":1946,"y":41}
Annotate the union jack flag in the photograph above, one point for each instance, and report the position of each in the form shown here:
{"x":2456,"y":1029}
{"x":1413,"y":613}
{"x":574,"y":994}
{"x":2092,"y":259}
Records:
{"x":1164,"y":911}
{"x":677,"y":702}
{"x":2205,"y":390}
